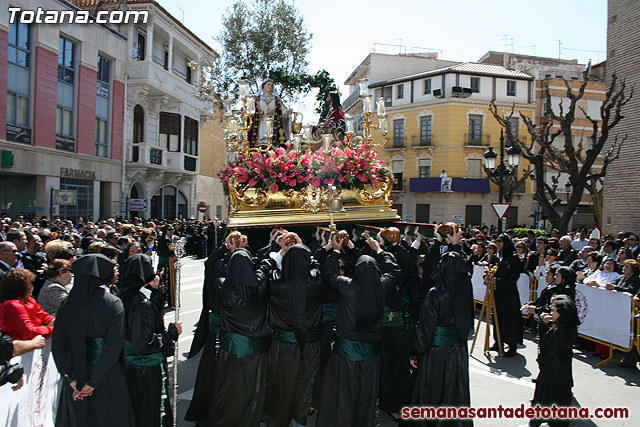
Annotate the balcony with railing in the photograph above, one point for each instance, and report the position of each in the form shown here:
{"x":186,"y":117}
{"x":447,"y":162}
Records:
{"x":422,"y":140}
{"x":183,"y":162}
{"x":459,"y":185}
{"x":351,"y":99}
{"x":153,"y":74}
{"x":477,"y":139}
{"x":146,"y":155}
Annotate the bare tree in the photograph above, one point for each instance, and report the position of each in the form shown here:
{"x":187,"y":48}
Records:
{"x":571,"y":157}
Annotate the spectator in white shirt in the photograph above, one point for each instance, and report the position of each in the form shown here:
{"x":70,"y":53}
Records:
{"x":606,"y":275}
{"x":581,"y":241}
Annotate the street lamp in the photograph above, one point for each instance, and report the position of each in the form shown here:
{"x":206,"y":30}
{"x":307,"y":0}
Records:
{"x":501,"y":170}
{"x":568,"y":188}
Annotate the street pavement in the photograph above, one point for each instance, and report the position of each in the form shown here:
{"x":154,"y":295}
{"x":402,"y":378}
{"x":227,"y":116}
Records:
{"x":494,"y":380}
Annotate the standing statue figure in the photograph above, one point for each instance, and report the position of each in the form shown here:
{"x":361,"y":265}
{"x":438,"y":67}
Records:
{"x":333,"y":120}
{"x":269,"y":105}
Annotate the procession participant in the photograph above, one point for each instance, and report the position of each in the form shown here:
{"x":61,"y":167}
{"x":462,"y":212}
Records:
{"x":147,"y":344}
{"x":555,"y":380}
{"x":394,"y":347}
{"x":506,"y":296}
{"x":329,"y":303}
{"x":556,"y":285}
{"x":87,"y":342}
{"x":166,"y":255}
{"x":439,"y":346}
{"x":207,"y":378}
{"x":350,"y":386}
{"x":243,"y":342}
{"x":295,"y":313}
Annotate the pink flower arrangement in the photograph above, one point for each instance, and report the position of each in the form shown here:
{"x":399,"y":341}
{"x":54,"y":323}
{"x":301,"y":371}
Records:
{"x":283,"y":169}
{"x":347,"y":167}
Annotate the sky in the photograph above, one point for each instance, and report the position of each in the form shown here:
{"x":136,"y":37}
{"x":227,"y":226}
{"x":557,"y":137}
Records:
{"x":346,"y":31}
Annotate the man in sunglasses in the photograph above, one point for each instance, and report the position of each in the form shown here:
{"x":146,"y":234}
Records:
{"x":8,"y":257}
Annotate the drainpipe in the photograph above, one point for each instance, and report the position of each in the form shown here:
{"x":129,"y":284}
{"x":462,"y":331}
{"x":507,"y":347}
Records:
{"x":124,"y":149}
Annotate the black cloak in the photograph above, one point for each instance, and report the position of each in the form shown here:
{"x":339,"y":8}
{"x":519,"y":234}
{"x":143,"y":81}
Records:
{"x":350,"y":387}
{"x":555,"y":379}
{"x":147,"y":336}
{"x":243,"y":316}
{"x":87,"y":344}
{"x":295,"y":307}
{"x":440,"y":341}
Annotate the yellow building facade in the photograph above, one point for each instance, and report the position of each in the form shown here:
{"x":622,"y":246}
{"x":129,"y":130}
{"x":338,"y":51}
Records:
{"x":439,"y":121}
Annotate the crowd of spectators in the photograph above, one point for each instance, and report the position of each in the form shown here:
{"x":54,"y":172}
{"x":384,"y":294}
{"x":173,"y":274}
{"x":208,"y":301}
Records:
{"x":35,"y":265}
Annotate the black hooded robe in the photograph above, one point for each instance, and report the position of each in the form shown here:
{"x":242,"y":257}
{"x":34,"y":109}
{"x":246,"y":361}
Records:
{"x":90,"y":322}
{"x":507,"y":300}
{"x":394,"y":348}
{"x":295,"y":313}
{"x":351,"y":381}
{"x":440,"y":341}
{"x":242,"y":362}
{"x":147,"y":344}
{"x":555,"y":379}
{"x":207,"y":377}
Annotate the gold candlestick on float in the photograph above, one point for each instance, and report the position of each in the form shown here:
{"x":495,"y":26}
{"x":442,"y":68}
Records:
{"x":488,"y":307}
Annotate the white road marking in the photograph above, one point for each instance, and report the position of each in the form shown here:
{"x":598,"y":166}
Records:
{"x":482,"y":369}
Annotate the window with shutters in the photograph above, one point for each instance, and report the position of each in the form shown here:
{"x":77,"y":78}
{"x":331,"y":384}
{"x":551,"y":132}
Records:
{"x":169,"y":132}
{"x":190,"y":136}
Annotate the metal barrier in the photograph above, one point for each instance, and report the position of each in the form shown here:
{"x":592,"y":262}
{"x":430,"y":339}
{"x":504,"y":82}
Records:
{"x":634,"y":327}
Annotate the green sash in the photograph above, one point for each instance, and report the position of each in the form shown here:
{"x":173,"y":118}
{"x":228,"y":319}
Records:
{"x":131,"y":357}
{"x":313,"y":335}
{"x":445,"y":335}
{"x":241,"y":345}
{"x":329,"y":311}
{"x":355,"y":350}
{"x":94,"y":350}
{"x":391,"y":317}
{"x":214,"y":322}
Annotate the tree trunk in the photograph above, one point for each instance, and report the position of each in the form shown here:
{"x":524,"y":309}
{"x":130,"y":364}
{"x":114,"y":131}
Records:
{"x":597,"y":197}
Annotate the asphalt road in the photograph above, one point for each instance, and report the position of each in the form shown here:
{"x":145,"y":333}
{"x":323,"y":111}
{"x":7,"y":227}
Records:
{"x":494,"y":380}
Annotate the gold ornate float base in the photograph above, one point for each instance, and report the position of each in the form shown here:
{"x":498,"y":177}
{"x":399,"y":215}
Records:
{"x":309,"y":206}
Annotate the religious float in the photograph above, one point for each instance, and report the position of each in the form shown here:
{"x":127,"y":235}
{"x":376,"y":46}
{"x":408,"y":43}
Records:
{"x":312,"y":176}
